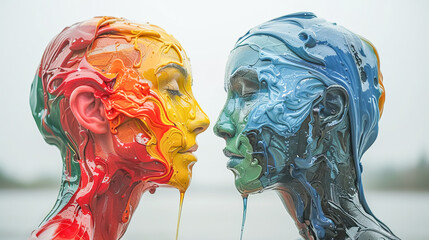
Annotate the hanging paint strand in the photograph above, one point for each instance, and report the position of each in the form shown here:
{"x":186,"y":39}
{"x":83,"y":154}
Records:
{"x":243,"y":221}
{"x":140,"y":77}
{"x":182,"y":196}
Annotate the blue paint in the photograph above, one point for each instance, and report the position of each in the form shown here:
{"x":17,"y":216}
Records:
{"x":243,"y":220}
{"x":330,"y":60}
{"x":296,"y":57}
{"x":318,"y":219}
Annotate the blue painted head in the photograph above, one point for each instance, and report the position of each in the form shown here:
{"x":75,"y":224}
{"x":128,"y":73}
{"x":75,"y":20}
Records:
{"x":275,"y":75}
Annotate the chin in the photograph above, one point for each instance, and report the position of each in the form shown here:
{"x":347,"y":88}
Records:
{"x":246,"y":188}
{"x":182,"y":170}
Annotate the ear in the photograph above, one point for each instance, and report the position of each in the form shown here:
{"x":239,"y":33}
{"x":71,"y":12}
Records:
{"x":89,"y":110}
{"x":334,"y":106}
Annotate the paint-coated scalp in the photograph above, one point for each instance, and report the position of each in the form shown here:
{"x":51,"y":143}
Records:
{"x":64,"y":67}
{"x":332,"y":55}
{"x":335,"y":56}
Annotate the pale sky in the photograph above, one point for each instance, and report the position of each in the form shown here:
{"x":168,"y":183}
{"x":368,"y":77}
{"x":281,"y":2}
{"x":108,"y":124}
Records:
{"x":208,"y":31}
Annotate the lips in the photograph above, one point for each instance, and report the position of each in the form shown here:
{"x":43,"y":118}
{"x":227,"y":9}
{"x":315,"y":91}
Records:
{"x":234,"y":158}
{"x":231,"y":154}
{"x":191,"y":149}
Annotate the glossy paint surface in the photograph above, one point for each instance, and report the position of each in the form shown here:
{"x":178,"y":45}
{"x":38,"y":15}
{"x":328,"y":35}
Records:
{"x":282,"y":119}
{"x":143,"y":78}
{"x":285,"y":50}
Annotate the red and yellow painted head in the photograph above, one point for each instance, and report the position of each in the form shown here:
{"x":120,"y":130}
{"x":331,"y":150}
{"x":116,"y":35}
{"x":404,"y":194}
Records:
{"x":142,"y":76}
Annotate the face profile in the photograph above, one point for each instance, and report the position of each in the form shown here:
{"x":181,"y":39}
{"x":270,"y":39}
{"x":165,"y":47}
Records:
{"x":115,"y":97}
{"x":256,"y":148}
{"x":304,"y":97}
{"x":158,"y":100}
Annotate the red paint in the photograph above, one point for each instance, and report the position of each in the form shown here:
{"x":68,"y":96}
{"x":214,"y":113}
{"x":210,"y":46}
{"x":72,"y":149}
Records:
{"x":109,"y":189}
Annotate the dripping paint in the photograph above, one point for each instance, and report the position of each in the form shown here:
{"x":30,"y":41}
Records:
{"x":304,"y":97}
{"x":115,"y":97}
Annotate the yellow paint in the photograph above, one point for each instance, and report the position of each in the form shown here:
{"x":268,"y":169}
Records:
{"x":151,"y":56}
{"x":182,"y":196}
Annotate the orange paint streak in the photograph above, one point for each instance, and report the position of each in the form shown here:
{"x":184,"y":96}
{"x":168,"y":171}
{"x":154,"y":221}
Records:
{"x":382,"y":97}
{"x":149,"y":137}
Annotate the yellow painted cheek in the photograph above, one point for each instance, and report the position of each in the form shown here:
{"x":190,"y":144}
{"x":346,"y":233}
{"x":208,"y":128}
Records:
{"x":181,"y":163}
{"x":179,"y":111}
{"x":171,"y":143}
{"x":171,"y":107}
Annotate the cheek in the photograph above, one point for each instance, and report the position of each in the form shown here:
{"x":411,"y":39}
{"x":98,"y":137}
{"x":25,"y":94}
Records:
{"x":237,"y":111}
{"x":243,"y":113}
{"x":171,"y":142}
{"x":271,"y":152}
{"x":180,"y":109}
{"x":129,"y":143}
{"x":246,"y":106}
{"x":136,"y":154}
{"x":131,"y":151}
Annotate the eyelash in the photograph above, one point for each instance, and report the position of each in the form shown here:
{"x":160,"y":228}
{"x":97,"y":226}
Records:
{"x":174,"y":92}
{"x":249,"y":95}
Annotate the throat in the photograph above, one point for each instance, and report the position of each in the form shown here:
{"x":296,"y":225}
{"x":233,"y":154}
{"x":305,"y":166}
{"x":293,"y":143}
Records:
{"x":112,"y":210}
{"x":331,"y":212}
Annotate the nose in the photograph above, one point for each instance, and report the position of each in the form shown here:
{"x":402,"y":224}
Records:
{"x":200,"y":122}
{"x":224,"y":128}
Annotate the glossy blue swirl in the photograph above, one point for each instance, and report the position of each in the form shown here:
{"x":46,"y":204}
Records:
{"x":313,"y":54}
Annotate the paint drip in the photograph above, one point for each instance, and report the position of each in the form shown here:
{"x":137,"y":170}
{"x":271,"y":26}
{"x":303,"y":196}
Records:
{"x":182,"y":196}
{"x":243,"y":221}
{"x":137,"y":73}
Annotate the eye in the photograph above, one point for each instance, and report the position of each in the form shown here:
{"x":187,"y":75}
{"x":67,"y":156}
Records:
{"x":173,"y":88}
{"x":249,"y":90}
{"x":248,"y":95}
{"x":174,"y":92}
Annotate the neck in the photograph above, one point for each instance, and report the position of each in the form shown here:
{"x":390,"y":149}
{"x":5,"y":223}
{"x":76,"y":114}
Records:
{"x":112,"y":210}
{"x":102,"y":206}
{"x":325,"y":203}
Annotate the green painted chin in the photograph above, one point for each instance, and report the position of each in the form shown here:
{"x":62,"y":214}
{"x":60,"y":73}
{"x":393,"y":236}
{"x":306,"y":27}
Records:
{"x":246,"y":184}
{"x":247,"y":171}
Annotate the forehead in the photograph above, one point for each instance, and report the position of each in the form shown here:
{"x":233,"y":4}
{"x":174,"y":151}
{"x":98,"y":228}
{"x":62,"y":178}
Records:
{"x":246,"y":55}
{"x":145,"y":55}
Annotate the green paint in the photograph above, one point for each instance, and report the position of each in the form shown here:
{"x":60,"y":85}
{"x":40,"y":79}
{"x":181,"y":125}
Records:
{"x":54,"y":134}
{"x":247,"y":179}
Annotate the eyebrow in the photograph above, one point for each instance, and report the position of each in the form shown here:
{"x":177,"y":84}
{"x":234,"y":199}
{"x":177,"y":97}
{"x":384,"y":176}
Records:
{"x":176,"y":66}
